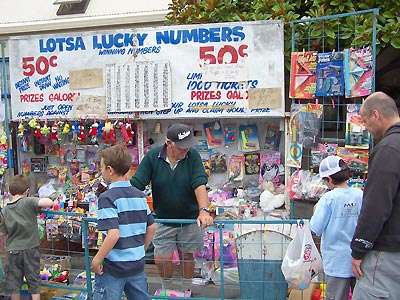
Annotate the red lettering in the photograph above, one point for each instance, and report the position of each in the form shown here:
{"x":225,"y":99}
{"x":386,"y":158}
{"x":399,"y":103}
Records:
{"x":31,"y":98}
{"x":61,"y":97}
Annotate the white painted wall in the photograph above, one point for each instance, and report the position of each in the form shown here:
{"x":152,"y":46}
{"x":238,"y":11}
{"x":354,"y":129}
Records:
{"x":27,"y":16}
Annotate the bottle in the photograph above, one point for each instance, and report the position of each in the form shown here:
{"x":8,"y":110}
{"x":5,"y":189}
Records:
{"x":316,"y":294}
{"x":322,"y":287}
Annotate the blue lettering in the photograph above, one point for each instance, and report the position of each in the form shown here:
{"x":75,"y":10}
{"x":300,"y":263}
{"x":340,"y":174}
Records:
{"x":201,"y":35}
{"x":189,"y":36}
{"x":69,"y":43}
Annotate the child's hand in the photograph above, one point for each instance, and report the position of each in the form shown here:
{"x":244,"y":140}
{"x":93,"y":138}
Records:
{"x":97,"y":266}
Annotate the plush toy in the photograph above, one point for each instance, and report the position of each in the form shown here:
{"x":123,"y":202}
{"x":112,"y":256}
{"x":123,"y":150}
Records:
{"x":33,"y":123}
{"x":53,"y":134}
{"x":45,"y":130}
{"x":100,"y":130}
{"x":125,"y":135}
{"x":60,"y":128}
{"x":93,"y":133}
{"x":269,"y":200}
{"x":75,"y":131}
{"x":109,"y":134}
{"x":129,"y":132}
{"x":81,"y":133}
{"x":66,"y":129}
{"x":21,"y":129}
{"x":37,"y":133}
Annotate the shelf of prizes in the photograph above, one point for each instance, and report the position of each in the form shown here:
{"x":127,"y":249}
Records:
{"x":244,"y":159}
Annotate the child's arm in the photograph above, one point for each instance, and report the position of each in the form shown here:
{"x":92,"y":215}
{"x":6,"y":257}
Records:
{"x":149,"y":235}
{"x":108,"y":243}
{"x":45,"y":202}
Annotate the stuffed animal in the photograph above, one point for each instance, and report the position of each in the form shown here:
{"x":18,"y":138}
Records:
{"x":37,"y":133}
{"x":45,"y":130}
{"x":21,"y":129}
{"x":269,"y":201}
{"x":53,"y":134}
{"x":75,"y":131}
{"x":60,"y":128}
{"x":129,"y":131}
{"x":108,"y":132}
{"x":81,"y":133}
{"x":125,"y":135}
{"x":93,"y":133}
{"x":66,"y":129}
{"x":100,"y":129}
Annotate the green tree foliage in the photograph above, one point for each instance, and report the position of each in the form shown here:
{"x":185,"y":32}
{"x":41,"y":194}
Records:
{"x":318,"y":35}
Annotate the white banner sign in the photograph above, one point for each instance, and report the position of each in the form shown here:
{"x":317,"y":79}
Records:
{"x":187,"y":71}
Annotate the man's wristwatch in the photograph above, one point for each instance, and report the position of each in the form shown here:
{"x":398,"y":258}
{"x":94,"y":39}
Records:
{"x":206,"y":208}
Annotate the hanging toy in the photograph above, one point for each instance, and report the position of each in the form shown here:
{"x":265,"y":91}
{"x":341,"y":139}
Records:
{"x":53,"y":134}
{"x":65,"y":131}
{"x":129,"y":131}
{"x":37,"y":133}
{"x":60,"y":127}
{"x":81,"y":133}
{"x":33,"y":123}
{"x":75,"y":131}
{"x":3,"y":151}
{"x":93,"y":133}
{"x":99,"y":129}
{"x":21,"y":129}
{"x":25,"y":147}
{"x":108,"y":132}
{"x":45,"y":130}
{"x":124,"y":133}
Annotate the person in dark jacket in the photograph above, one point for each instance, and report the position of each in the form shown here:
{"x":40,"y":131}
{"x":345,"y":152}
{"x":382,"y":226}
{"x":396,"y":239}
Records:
{"x":178,"y":181}
{"x":376,"y":241}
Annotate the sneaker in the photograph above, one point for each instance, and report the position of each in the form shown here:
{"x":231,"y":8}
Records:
{"x":173,"y":293}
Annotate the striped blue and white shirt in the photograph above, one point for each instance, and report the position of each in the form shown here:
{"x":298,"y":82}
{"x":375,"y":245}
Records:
{"x":125,"y":208}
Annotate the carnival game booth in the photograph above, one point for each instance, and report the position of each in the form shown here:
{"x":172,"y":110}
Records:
{"x":74,"y":94}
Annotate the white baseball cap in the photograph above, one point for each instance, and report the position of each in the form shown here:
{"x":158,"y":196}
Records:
{"x":329,"y":166}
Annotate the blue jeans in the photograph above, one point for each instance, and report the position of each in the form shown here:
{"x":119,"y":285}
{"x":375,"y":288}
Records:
{"x":107,"y":287}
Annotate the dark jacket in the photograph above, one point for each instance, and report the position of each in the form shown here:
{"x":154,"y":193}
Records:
{"x":378,"y":226}
{"x":172,"y":190}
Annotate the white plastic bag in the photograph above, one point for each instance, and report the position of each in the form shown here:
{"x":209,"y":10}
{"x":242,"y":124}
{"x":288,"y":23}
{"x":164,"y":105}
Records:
{"x":302,"y":260}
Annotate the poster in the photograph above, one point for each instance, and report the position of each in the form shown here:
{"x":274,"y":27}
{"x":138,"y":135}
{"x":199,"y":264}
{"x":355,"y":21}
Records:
{"x":183,"y":71}
{"x":330,"y":74}
{"x":303,"y":75}
{"x":358,"y":66}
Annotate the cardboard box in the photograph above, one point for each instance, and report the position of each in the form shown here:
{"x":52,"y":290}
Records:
{"x":305,"y":294}
{"x":63,"y":261}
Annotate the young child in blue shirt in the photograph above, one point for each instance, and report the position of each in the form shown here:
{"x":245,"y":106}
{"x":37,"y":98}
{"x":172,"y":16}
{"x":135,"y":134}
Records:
{"x":128,"y":227}
{"x":335,"y":219}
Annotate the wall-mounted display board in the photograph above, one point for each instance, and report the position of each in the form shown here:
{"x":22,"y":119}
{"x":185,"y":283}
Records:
{"x":195,"y":71}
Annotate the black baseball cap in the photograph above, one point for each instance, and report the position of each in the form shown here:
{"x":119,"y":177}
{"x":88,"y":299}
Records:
{"x":181,"y":135}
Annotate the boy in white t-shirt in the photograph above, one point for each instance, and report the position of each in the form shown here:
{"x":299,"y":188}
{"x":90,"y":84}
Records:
{"x":335,"y":219}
